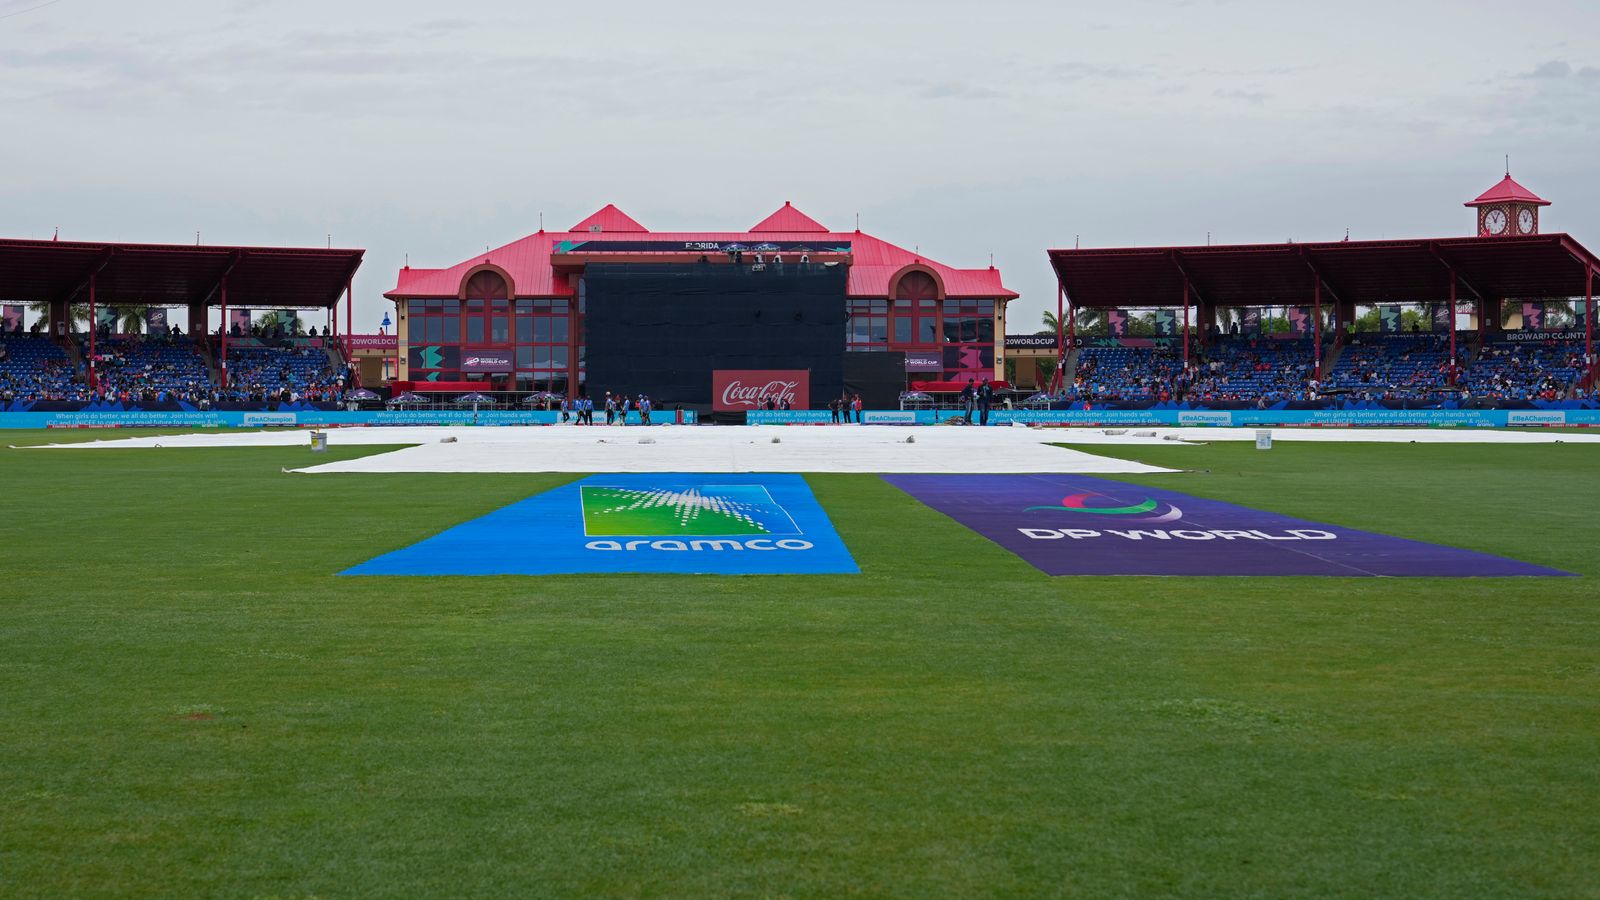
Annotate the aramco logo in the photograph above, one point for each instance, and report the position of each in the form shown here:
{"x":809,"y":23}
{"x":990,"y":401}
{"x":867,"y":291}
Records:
{"x":1149,"y":510}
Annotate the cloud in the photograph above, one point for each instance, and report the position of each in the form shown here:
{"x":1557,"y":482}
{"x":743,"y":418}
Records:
{"x":947,"y":90}
{"x":1555,"y":68}
{"x":1254,"y":98}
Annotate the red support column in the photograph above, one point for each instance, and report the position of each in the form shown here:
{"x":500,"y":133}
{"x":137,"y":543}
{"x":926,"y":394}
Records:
{"x":1588,"y":319}
{"x":1061,"y":335}
{"x":1454,"y":363}
{"x":94,"y":322}
{"x":1186,"y":324}
{"x":222,"y":359}
{"x":1316,"y":326}
{"x":349,"y":307}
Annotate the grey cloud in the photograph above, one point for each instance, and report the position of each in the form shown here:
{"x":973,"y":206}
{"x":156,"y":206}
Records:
{"x":1254,"y":98}
{"x":1555,"y":68}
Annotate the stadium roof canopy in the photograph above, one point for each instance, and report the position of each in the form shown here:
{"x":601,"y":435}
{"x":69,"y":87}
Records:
{"x":1361,"y":272}
{"x":540,"y":264}
{"x":174,"y":274}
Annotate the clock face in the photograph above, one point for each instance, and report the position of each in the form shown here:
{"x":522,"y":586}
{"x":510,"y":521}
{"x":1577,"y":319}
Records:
{"x":1495,"y":222}
{"x":1525,"y":221}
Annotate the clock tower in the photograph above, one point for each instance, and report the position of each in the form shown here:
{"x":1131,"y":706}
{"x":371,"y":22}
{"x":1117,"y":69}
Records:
{"x":1507,"y":210}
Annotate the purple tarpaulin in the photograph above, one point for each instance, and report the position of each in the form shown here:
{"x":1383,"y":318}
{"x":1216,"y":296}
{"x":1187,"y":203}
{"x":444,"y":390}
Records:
{"x":1078,"y":525}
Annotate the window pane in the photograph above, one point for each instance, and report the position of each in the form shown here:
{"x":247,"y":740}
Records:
{"x":450,"y":306}
{"x":541,"y":330}
{"x":474,"y":329}
{"x":558,"y":357}
{"x":416,"y":306}
{"x":502,"y":330}
{"x":902,"y":330}
{"x":451,"y":333}
{"x":524,"y":357}
{"x":524,"y":329}
{"x":986,"y":331}
{"x":541,"y":357}
{"x":435,"y":329}
{"x":929,"y":331}
{"x":558,"y":331}
{"x":558,"y":306}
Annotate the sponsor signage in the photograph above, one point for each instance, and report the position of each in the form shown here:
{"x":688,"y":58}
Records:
{"x":271,"y":419}
{"x":924,"y":361}
{"x":11,"y":317}
{"x":388,"y":342}
{"x":486,"y":360}
{"x":646,"y":246}
{"x":1031,"y":342}
{"x":658,"y":523}
{"x":1079,"y":525}
{"x":1536,"y":417}
{"x":1541,"y":336}
{"x":897,"y":417}
{"x":744,"y":390}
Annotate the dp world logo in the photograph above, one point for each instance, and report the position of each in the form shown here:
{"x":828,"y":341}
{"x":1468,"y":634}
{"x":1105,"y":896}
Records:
{"x":722,"y":510}
{"x":1147,"y":510}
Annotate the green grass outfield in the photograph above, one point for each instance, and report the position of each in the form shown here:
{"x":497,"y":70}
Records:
{"x":191,"y":703}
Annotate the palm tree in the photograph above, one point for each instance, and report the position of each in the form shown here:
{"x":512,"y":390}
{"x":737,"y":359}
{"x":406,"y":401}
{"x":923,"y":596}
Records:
{"x":132,"y":318}
{"x":77,"y":312}
{"x":277,"y":317}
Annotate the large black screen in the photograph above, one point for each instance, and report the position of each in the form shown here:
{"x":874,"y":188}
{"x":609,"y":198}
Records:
{"x":662,"y":330}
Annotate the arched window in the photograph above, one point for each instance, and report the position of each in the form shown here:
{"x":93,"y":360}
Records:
{"x":487,"y":285}
{"x":488,"y":309}
{"x":916,"y":309}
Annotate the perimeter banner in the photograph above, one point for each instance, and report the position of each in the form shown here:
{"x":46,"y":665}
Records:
{"x":1078,"y":525}
{"x":657,"y":523}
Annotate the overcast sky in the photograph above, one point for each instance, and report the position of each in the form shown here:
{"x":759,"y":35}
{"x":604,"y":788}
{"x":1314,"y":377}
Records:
{"x":966,"y":128}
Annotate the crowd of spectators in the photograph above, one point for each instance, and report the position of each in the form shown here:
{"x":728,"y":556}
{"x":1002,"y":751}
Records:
{"x":1254,"y":369}
{"x":33,"y":367}
{"x":1127,"y":374}
{"x":160,"y":368}
{"x":291,"y":372}
{"x":1541,"y":371}
{"x":1394,"y":367}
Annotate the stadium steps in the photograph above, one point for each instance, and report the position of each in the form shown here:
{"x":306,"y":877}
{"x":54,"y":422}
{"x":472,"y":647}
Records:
{"x":1069,"y":372}
{"x":208,"y":349}
{"x":1332,"y":359}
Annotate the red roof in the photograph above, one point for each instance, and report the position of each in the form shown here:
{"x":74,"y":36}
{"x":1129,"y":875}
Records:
{"x":789,"y":219}
{"x":1508,"y":191}
{"x":1363,"y":272}
{"x":175,"y":274}
{"x":874,"y":262}
{"x":611,"y":219}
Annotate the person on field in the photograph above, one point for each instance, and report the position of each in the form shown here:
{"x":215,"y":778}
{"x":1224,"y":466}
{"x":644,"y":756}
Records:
{"x":856,"y":404}
{"x":967,"y":398}
{"x":611,"y":409}
{"x":985,"y":400}
{"x":833,"y":410}
{"x":644,"y":409}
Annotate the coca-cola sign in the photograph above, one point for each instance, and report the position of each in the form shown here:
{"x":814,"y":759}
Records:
{"x":742,"y":390}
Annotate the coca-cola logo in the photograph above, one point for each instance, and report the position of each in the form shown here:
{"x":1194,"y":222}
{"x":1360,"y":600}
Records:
{"x":742,"y":390}
{"x":737,"y":393}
